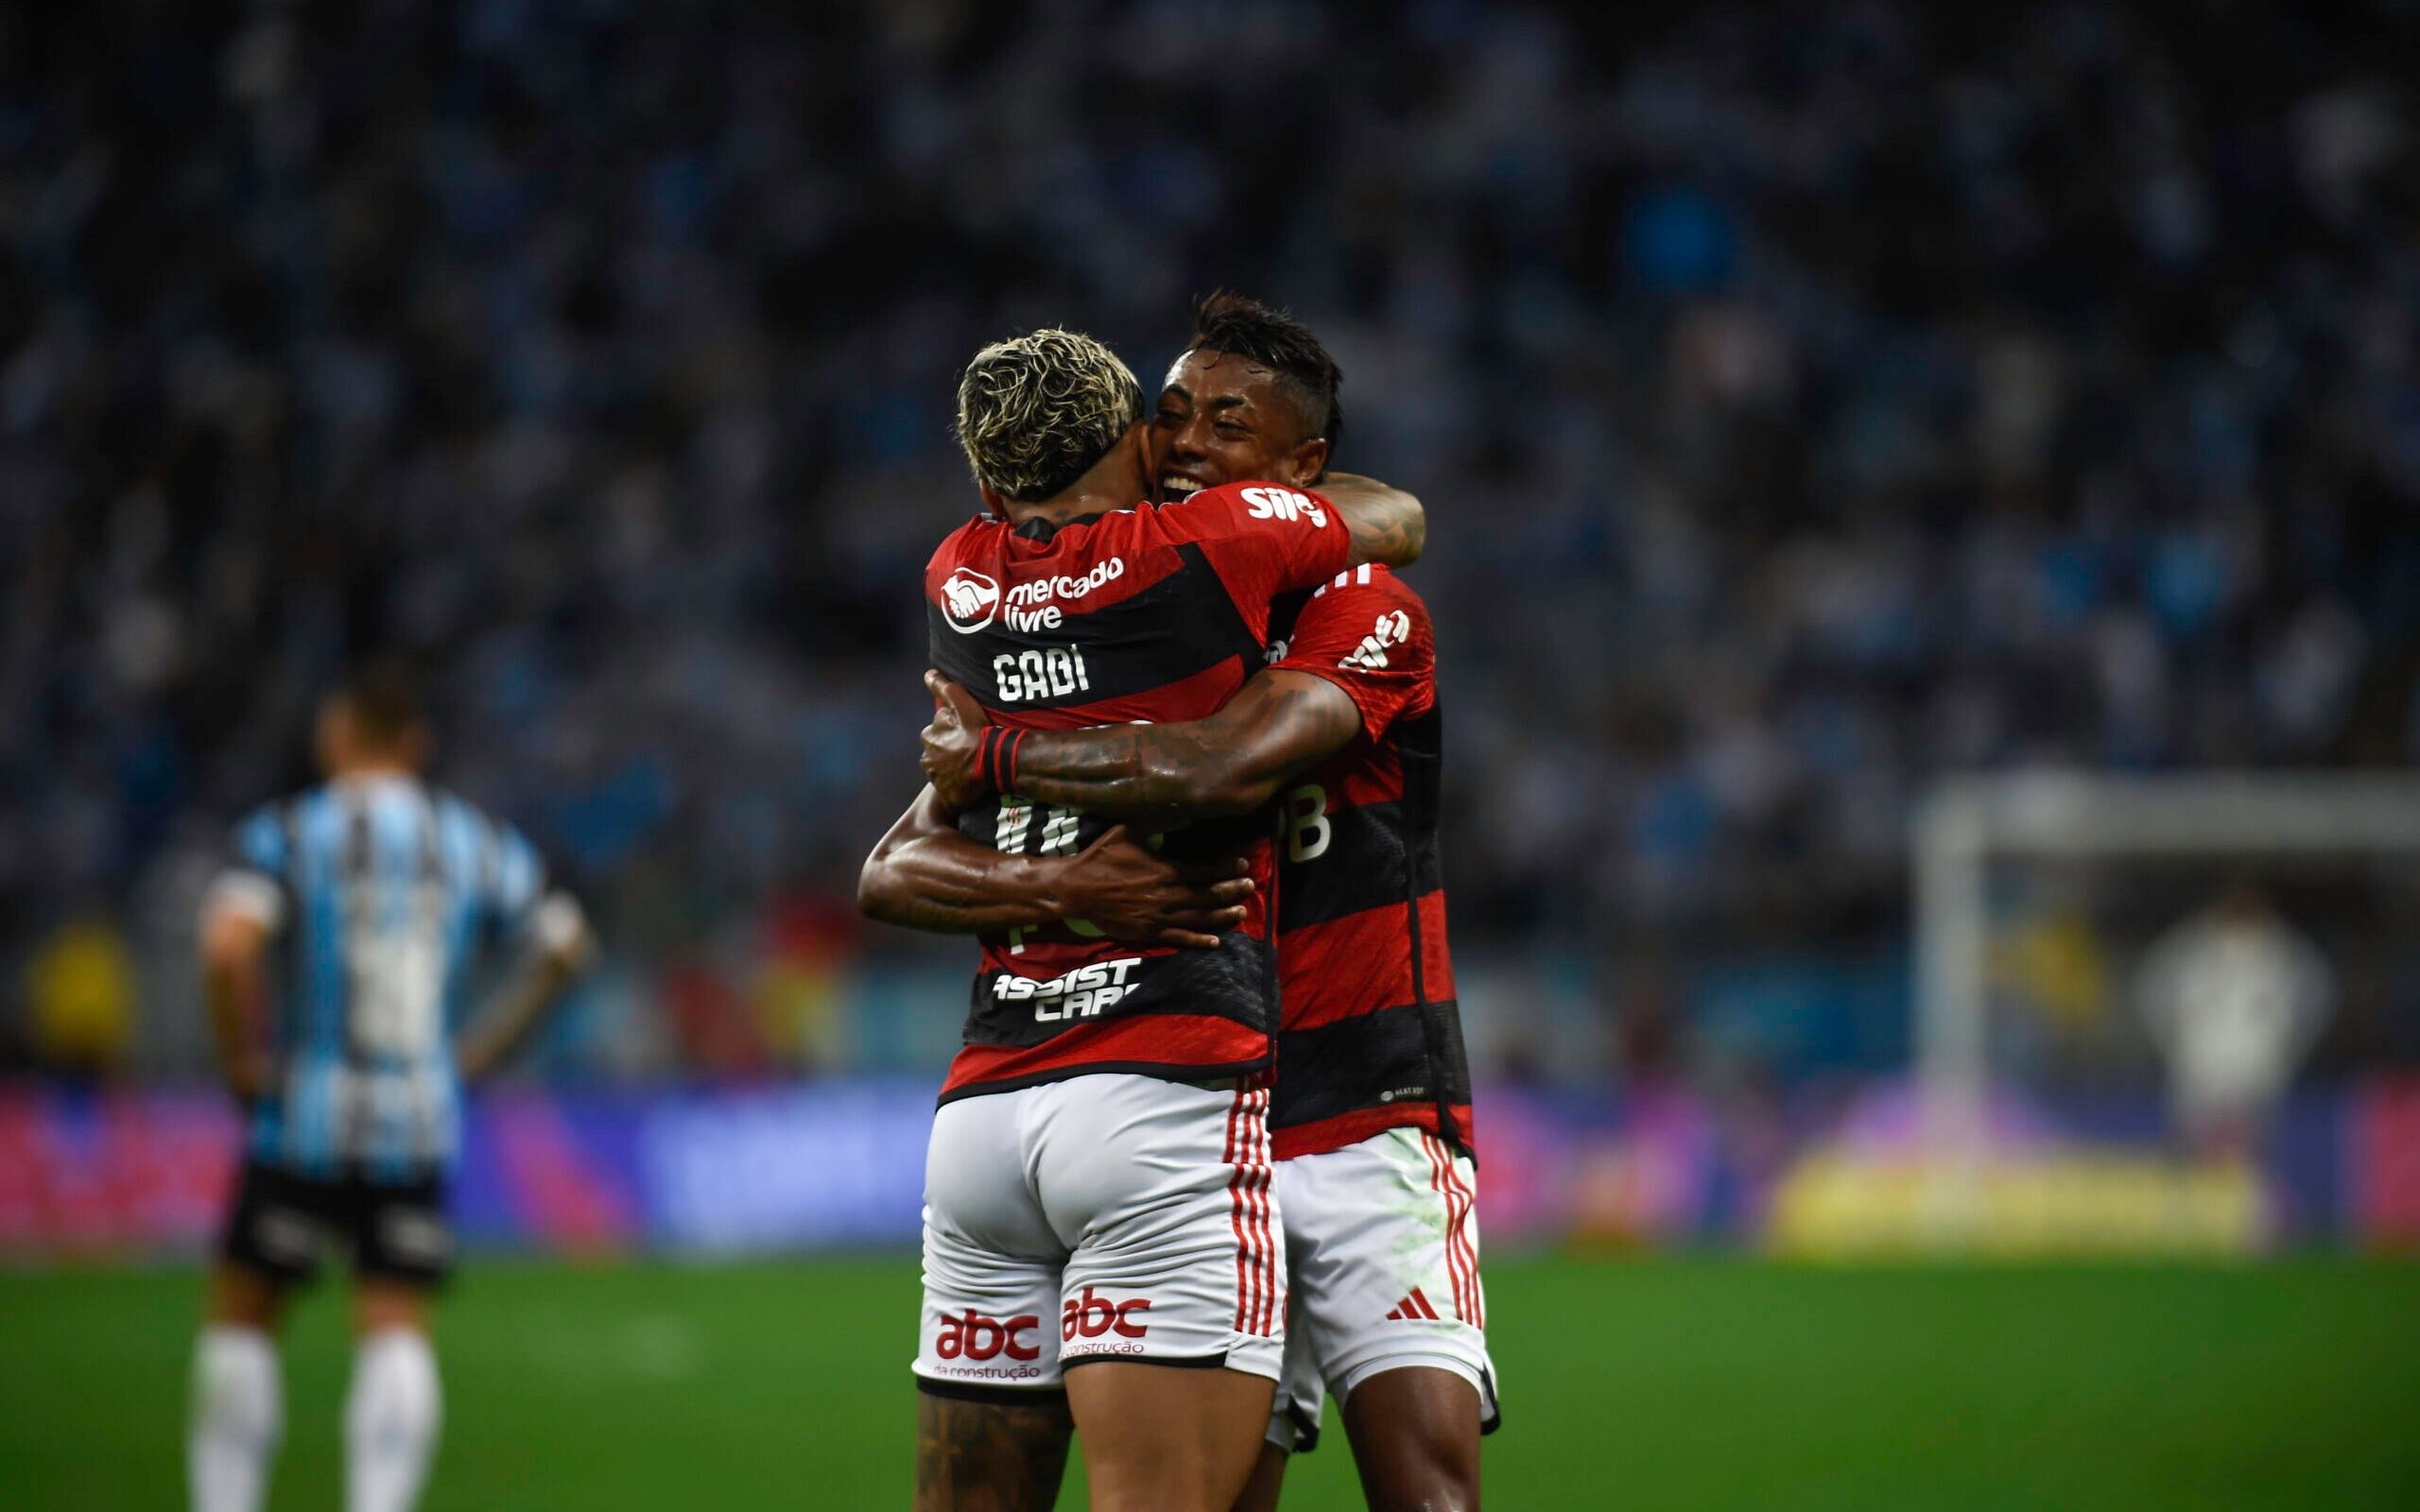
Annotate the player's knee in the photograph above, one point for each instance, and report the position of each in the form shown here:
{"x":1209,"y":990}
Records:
{"x":385,"y":1306}
{"x":1451,"y":1476}
{"x":1426,"y":1473}
{"x":242,"y":1298}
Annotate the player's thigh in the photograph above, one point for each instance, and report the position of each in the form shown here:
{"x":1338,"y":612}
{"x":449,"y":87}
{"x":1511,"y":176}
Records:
{"x":1171,"y":1321}
{"x":1385,"y":1251}
{"x":992,"y":1455}
{"x":1166,"y":1438}
{"x":1178,"y":1257}
{"x":991,"y":1417}
{"x":1267,"y":1481}
{"x":1415,"y":1432}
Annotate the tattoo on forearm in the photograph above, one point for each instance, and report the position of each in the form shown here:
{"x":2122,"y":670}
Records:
{"x":1126,"y":771}
{"x":1171,"y":773}
{"x":981,"y":1456}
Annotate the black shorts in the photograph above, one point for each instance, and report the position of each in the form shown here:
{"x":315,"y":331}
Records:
{"x":282,"y":1224}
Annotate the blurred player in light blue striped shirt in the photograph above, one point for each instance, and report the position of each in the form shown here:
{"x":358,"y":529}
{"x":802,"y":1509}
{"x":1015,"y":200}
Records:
{"x":341,"y":948}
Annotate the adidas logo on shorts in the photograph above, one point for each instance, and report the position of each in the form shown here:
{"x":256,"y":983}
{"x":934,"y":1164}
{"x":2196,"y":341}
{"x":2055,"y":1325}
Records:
{"x":1416,"y":1305}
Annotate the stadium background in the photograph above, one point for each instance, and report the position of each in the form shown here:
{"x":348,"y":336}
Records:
{"x":1807,"y":407}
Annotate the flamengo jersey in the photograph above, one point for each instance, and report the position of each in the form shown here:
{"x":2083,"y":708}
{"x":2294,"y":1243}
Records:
{"x":1155,"y":613}
{"x":1372,"y":1035}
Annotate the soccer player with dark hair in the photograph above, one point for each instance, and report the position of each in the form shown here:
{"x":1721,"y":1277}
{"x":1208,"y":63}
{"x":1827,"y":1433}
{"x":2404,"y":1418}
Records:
{"x":1292,"y":362}
{"x":1099,"y":1241}
{"x":336,"y":948}
{"x":1371,"y":1117}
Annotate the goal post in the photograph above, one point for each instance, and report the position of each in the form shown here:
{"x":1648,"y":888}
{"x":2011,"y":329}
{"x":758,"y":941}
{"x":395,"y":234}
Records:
{"x":1969,"y":823}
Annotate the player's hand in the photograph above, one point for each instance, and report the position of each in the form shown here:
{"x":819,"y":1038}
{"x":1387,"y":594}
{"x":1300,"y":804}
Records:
{"x":953,"y":743}
{"x":1130,"y":894}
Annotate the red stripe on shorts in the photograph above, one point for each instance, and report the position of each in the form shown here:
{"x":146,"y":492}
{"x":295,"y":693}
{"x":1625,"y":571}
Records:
{"x":1271,"y":1256}
{"x":1461,"y":1263}
{"x":1437,"y":1184}
{"x":1236,"y":1198}
{"x":1268,"y":1211}
{"x":1470,"y":1248}
{"x":1460,"y":1203}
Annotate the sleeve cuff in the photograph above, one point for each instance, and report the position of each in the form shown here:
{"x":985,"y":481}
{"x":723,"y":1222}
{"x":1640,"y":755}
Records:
{"x":1373,"y":721}
{"x":558,"y":925}
{"x":246,"y":895}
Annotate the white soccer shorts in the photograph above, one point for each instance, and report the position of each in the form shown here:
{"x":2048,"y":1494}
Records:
{"x":1382,"y":1247}
{"x":1104,"y":1217}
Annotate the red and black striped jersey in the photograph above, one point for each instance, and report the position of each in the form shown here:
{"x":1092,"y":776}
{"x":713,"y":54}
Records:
{"x":1152,"y":615}
{"x":1371,"y":1037}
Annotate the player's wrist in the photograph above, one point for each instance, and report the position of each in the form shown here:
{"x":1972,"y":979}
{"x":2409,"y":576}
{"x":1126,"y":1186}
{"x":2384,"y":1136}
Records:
{"x":1047,"y":885}
{"x":992,"y":766}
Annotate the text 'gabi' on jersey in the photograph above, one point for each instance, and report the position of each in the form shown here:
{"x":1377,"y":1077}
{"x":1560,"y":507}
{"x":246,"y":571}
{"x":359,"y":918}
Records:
{"x":1155,"y":615}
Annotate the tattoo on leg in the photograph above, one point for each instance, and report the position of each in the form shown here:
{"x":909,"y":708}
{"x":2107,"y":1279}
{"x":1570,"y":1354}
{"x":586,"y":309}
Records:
{"x":981,"y":1456}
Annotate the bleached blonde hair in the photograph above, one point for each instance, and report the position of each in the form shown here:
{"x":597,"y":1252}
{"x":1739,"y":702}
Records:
{"x":1036,"y":412}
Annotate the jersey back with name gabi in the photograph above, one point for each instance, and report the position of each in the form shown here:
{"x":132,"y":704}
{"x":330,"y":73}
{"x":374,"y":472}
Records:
{"x":384,"y":896}
{"x":1373,"y":1032}
{"x":1151,"y":614}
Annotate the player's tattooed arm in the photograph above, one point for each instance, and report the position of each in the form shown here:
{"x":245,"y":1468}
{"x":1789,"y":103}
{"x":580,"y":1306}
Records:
{"x":926,"y":875}
{"x":1278,"y":725}
{"x":984,"y":1457}
{"x":1388,"y":525}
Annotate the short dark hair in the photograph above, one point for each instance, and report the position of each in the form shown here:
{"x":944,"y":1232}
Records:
{"x":383,"y":697}
{"x":1263,"y":334}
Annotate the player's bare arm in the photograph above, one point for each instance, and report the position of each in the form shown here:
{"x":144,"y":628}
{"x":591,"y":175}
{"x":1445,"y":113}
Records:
{"x":559,"y":951}
{"x":235,"y":986}
{"x":1388,"y":525}
{"x":926,"y":875}
{"x":1278,"y":725}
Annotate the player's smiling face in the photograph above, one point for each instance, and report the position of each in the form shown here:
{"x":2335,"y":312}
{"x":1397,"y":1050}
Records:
{"x":1223,"y":419}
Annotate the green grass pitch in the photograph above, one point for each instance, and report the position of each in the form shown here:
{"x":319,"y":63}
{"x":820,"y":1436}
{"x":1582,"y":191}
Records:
{"x":1637,"y":1385}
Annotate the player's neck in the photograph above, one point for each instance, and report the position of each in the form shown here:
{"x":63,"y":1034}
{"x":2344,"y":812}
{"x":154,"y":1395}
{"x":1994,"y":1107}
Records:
{"x":1114,"y":482}
{"x":375,"y":769}
{"x":1072,"y":505}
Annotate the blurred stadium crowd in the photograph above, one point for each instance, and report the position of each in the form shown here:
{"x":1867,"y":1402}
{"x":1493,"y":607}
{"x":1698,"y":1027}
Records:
{"x":1805,"y":407}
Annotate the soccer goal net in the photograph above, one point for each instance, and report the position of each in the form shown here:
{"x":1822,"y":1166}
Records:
{"x":2148,"y":1010}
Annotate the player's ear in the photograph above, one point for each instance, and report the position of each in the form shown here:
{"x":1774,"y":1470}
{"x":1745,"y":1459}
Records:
{"x":1137,"y":442}
{"x":332,"y":736}
{"x":991,"y":500}
{"x":1308,"y":462}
